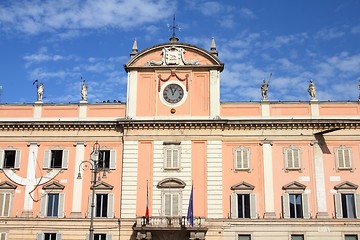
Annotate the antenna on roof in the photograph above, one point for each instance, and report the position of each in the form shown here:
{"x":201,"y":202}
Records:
{"x":173,"y":27}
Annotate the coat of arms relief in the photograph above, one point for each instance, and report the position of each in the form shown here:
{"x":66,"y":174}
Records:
{"x":172,"y":56}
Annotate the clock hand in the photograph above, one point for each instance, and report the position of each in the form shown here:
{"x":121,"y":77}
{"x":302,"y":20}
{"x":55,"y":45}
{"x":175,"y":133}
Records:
{"x":173,"y":91}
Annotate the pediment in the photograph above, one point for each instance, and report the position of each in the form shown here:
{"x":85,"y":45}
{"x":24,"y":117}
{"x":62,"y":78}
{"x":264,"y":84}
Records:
{"x":294,"y":186}
{"x":171,"y":183}
{"x":53,"y":186}
{"x":102,"y":186}
{"x":346,"y":185}
{"x":7,"y":185}
{"x":242,"y":186}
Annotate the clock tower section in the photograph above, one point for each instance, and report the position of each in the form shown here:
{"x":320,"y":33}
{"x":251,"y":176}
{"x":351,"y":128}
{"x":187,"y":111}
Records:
{"x":173,"y":81}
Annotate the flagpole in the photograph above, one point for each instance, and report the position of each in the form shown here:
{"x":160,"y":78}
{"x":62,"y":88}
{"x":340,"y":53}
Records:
{"x":147,"y":216}
{"x":190,"y":213}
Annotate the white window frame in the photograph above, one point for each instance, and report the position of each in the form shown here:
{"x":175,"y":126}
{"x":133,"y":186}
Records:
{"x":110,"y":204}
{"x":290,"y":163}
{"x":243,"y":234}
{"x":175,"y":154}
{"x":171,"y":193}
{"x":6,"y":212}
{"x":17,"y":158}
{"x":108,"y":236}
{"x":64,"y":160}
{"x":112,"y":158}
{"x":3,"y":235}
{"x":242,"y":158}
{"x":343,"y":162}
{"x":291,"y":235}
{"x":41,"y":236}
{"x":234,"y":204}
{"x":304,"y":203}
{"x":350,"y":234}
{"x":338,"y":204}
{"x":45,"y":201}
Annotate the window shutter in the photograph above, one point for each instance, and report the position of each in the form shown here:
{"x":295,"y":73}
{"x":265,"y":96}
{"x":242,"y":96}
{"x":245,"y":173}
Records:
{"x":112,"y":159}
{"x":87,"y":236}
{"x":286,"y":205}
{"x":7,"y":204}
{"x":17,"y":159}
{"x":175,"y":204}
{"x":287,"y":158}
{"x":347,"y":158}
{"x":238,"y":159}
{"x":338,"y":206}
{"x":234,"y":205}
{"x":245,"y":159}
{"x":252,"y":205}
{"x":305,"y":200}
{"x":296,"y":158}
{"x":39,"y":236}
{"x":1,"y":159}
{"x":58,"y":236}
{"x":175,"y":158}
{"x":357,"y":205}
{"x":2,"y":199}
{"x":168,"y":158}
{"x":167,"y":204}
{"x":43,"y":203}
{"x":3,"y":236}
{"x":110,"y":207}
{"x":108,"y":237}
{"x":65,"y":158}
{"x":46,"y":162}
{"x":61,"y":209}
{"x":89,"y":206}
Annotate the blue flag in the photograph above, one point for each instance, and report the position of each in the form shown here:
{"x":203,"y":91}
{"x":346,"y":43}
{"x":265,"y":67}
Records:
{"x":190,"y":213}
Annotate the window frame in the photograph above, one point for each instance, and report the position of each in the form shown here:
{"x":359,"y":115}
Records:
{"x":339,"y":206}
{"x":109,"y":204}
{"x":3,"y":208}
{"x":41,"y":236}
{"x":110,"y":161}
{"x":342,"y":150}
{"x":172,"y":147}
{"x":350,"y":235}
{"x":171,"y":193}
{"x":289,"y":164}
{"x":48,"y":158}
{"x":3,"y":235}
{"x":238,"y":235}
{"x":50,"y":189}
{"x":297,"y":235}
{"x":240,"y":151}
{"x":16,"y":160}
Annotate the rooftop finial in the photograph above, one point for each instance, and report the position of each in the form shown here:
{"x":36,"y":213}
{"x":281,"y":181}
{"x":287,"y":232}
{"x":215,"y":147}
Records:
{"x":213,"y":47}
{"x":134,"y":49}
{"x":173,"y":28}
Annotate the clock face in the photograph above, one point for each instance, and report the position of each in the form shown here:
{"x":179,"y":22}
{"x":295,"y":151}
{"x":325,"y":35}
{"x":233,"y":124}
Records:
{"x":173,"y":93}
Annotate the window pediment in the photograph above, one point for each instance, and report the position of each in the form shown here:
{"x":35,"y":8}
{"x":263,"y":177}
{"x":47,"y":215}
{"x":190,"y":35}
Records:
{"x":294,"y":186}
{"x":53,"y":186}
{"x":7,"y":185}
{"x":171,"y":183}
{"x":102,"y":186}
{"x":242,"y":186}
{"x":346,"y":186}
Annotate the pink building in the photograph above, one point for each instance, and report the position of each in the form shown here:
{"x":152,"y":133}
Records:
{"x":258,"y":170}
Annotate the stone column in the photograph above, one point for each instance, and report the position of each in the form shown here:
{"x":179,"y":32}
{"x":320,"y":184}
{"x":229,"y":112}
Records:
{"x":268,"y":179}
{"x":320,"y":181}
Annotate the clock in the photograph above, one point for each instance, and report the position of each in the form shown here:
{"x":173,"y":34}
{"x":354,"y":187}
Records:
{"x":173,"y":93}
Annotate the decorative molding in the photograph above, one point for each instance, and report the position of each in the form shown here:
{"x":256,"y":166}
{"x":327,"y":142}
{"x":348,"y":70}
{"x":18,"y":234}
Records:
{"x":243,"y":186}
{"x":294,"y":186}
{"x":7,"y":185}
{"x":346,"y":186}
{"x":102,"y":186}
{"x":173,"y":74}
{"x":53,"y":186}
{"x":171,"y":183}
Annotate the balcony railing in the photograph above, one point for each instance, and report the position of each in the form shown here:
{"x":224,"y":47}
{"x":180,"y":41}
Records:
{"x":163,"y":221}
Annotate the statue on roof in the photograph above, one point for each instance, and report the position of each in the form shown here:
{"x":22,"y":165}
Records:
{"x":264,"y":90}
{"x":40,"y":90}
{"x":312,"y":90}
{"x":84,"y":89}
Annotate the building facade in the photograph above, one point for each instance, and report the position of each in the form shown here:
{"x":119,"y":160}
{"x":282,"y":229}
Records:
{"x":251,"y":170}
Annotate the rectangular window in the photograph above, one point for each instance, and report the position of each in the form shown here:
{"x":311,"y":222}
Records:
{"x":49,"y":236}
{"x":242,"y":158}
{"x":343,"y":158}
{"x":9,"y":158}
{"x":5,"y":204}
{"x":3,"y":236}
{"x":107,"y":159}
{"x":172,"y":204}
{"x":348,"y":205}
{"x":101,"y":206}
{"x":99,"y":236}
{"x":244,"y":237}
{"x":351,"y":237}
{"x":297,"y":237}
{"x":292,"y":158}
{"x":243,"y":205}
{"x":296,"y":206}
{"x":171,"y":157}
{"x":53,"y":205}
{"x":56,"y":159}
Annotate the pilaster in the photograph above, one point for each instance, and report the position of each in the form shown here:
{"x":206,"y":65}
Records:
{"x":268,"y":179}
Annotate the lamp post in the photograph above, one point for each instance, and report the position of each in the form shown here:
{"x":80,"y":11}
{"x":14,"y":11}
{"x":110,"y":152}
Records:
{"x":96,"y":166}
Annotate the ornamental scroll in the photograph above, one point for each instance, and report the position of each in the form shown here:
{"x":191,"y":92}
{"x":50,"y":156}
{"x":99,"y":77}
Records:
{"x":172,"y":56}
{"x":173,"y":74}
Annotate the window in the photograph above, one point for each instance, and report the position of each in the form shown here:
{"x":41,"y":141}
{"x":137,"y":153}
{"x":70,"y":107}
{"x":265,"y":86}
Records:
{"x":244,"y":237}
{"x":296,"y":206}
{"x":52,"y":205}
{"x":99,"y":236}
{"x":345,"y":206}
{"x":171,"y":203}
{"x":295,"y":201}
{"x":297,"y":237}
{"x":343,"y":158}
{"x":242,"y":158}
{"x":243,"y":201}
{"x":351,"y":237}
{"x":107,"y":159}
{"x":3,"y":236}
{"x":104,"y":205}
{"x":48,"y":236}
{"x":10,"y":159}
{"x":292,"y":157}
{"x":5,"y":198}
{"x":172,"y":156}
{"x":55,"y":159}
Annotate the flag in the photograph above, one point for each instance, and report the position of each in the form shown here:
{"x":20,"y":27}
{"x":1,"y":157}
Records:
{"x":190,"y":213}
{"x":147,"y":216}
{"x":35,"y":81}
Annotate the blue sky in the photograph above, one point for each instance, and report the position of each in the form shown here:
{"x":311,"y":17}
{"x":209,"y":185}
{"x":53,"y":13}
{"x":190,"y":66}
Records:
{"x":57,"y":42}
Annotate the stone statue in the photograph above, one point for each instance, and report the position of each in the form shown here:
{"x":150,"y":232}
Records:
{"x":359,"y":88}
{"x":312,"y":90}
{"x":40,"y":92}
{"x":84,"y":89}
{"x":264,"y":90}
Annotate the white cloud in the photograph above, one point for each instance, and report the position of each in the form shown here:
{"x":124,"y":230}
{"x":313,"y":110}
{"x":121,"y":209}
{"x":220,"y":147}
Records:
{"x":329,"y":33}
{"x":34,"y":17}
{"x":355,"y":30}
{"x":247,"y":13}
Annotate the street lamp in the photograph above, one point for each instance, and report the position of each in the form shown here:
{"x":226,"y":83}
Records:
{"x":97,"y":165}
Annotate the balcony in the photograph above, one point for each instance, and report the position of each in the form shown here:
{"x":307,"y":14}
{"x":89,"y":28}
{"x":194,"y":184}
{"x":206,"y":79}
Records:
{"x":169,"y":228}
